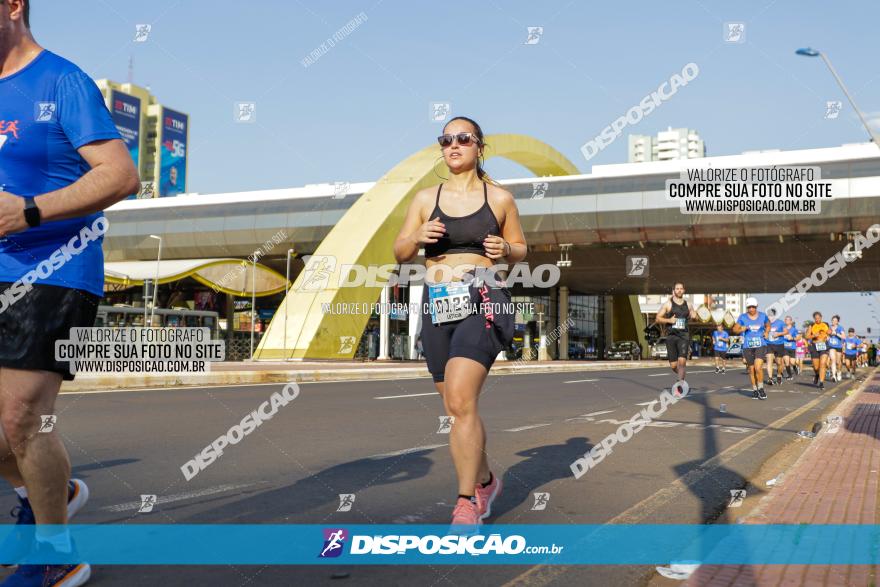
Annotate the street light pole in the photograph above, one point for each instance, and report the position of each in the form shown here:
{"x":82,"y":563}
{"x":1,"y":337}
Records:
{"x":809,"y":52}
{"x":253,"y":302}
{"x":287,"y":290}
{"x":156,"y":284}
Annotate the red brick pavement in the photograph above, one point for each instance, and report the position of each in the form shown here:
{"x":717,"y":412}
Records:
{"x":835,"y":481}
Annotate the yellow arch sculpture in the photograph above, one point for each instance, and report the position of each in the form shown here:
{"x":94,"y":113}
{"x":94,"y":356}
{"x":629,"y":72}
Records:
{"x":365,"y":236}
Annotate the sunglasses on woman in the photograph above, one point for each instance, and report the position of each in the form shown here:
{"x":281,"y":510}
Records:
{"x":464,"y":139}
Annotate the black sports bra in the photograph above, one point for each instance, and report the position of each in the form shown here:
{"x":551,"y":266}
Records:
{"x":464,"y":234}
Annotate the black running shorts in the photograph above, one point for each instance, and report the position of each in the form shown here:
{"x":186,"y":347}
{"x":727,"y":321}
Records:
{"x":677,"y":346}
{"x":753,"y":354}
{"x":720,"y":354}
{"x":815,"y":353}
{"x":475,"y":337}
{"x":31,"y":323}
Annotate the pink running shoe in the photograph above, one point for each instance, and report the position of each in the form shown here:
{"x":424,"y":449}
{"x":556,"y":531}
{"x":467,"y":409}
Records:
{"x":465,"y":516}
{"x":486,"y":495}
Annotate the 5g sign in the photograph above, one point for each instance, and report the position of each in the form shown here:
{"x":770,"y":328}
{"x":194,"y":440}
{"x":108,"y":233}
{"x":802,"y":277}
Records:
{"x":178,"y":149}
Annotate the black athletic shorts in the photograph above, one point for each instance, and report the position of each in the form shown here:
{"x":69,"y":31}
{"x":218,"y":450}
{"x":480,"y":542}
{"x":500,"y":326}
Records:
{"x":777,"y":350}
{"x":752,"y":354}
{"x":30,"y":325}
{"x":475,"y":337}
{"x":720,"y":354}
{"x":790,"y":353}
{"x":677,"y":344}
{"x":815,"y":353}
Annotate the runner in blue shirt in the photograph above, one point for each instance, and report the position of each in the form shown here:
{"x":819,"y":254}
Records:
{"x":775,"y":350}
{"x":835,"y":347}
{"x":790,"y":348}
{"x":756,"y":326}
{"x":851,"y":346}
{"x":61,"y":163}
{"x":721,"y":342}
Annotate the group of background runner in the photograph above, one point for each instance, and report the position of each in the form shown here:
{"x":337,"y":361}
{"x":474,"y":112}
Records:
{"x":766,"y":343}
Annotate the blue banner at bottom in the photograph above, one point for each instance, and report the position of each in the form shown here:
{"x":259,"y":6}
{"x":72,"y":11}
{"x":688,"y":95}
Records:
{"x":411,"y":544}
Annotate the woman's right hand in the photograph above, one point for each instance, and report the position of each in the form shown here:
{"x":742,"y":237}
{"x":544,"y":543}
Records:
{"x":430,"y":231}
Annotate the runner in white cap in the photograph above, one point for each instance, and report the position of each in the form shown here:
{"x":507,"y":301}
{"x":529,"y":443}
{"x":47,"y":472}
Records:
{"x":756,"y":327}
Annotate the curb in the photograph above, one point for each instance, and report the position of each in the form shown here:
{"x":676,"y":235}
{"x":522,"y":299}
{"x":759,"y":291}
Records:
{"x":217,"y":378}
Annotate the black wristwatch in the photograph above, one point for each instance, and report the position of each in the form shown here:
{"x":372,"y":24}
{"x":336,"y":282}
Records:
{"x":31,"y":212}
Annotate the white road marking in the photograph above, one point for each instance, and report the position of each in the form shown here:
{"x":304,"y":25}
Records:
{"x":407,"y":451}
{"x":521,"y":428}
{"x":581,"y":381}
{"x":662,"y":374}
{"x":407,"y":395}
{"x":134,"y":505}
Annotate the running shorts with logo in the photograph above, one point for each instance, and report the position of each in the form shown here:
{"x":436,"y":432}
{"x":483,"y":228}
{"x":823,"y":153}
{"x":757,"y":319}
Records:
{"x":479,"y":336}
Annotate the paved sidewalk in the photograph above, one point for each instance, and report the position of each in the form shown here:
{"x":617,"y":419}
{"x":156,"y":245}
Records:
{"x":835,"y":481}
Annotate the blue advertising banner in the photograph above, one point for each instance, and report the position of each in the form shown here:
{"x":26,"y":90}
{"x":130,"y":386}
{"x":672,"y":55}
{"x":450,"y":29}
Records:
{"x":416,"y":544}
{"x":172,"y":174}
{"x":126,"y":113}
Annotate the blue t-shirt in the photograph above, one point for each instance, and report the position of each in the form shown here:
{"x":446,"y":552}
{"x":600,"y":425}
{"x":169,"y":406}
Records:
{"x":790,"y":342}
{"x":48,"y":110}
{"x":774,"y":337}
{"x":851,"y":345}
{"x":753,"y":336}
{"x":836,"y":334}
{"x":720,"y":345}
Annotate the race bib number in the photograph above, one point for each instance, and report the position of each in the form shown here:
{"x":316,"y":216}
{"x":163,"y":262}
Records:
{"x":833,"y":340}
{"x":772,"y":336}
{"x":820,"y":346}
{"x":680,"y":324}
{"x":850,"y":346}
{"x":449,"y":302}
{"x":754,"y":343}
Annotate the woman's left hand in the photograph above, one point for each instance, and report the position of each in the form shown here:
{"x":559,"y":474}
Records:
{"x":496,"y":247}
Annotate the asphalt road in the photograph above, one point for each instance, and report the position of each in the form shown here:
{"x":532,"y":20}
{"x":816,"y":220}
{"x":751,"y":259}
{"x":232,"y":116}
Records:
{"x":379,"y":441}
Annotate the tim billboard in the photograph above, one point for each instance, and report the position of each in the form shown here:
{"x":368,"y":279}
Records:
{"x":172,"y":173}
{"x":126,"y":113}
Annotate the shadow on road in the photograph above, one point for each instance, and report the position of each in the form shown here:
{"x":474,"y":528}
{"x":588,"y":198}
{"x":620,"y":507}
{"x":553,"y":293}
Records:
{"x":540,"y":466}
{"x":322,"y":489}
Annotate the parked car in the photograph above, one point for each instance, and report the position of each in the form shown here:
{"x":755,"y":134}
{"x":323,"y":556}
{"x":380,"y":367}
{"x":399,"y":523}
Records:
{"x":577,"y":350}
{"x":658,"y":349}
{"x":624,"y":350}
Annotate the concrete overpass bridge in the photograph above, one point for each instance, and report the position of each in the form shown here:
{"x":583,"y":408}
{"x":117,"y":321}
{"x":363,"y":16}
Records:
{"x":616,"y":211}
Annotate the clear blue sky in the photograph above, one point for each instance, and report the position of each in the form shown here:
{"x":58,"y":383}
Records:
{"x":363,"y":106}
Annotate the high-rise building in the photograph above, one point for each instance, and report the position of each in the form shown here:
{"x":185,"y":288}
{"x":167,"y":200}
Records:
{"x":156,"y":137}
{"x":669,"y":144}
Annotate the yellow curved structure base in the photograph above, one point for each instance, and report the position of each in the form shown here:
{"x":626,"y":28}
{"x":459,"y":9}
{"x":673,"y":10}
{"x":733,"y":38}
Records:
{"x":365,"y":236}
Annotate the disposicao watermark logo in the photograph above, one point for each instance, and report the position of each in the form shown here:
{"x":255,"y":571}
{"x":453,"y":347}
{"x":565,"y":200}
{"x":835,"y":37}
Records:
{"x":334,"y":542}
{"x":59,"y":257}
{"x":832,"y":266}
{"x":629,"y":429}
{"x":634,"y":115}
{"x":236,"y":434}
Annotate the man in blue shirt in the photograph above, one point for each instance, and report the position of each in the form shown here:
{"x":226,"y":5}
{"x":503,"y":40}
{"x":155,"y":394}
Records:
{"x":721,"y":342}
{"x":756,"y":327}
{"x":61,"y":163}
{"x":790,"y":348}
{"x":850,"y":351}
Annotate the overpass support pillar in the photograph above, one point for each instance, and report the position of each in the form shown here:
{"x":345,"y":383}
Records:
{"x":628,"y":320}
{"x":384,"y":323}
{"x":562,"y":318}
{"x":414,"y":318}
